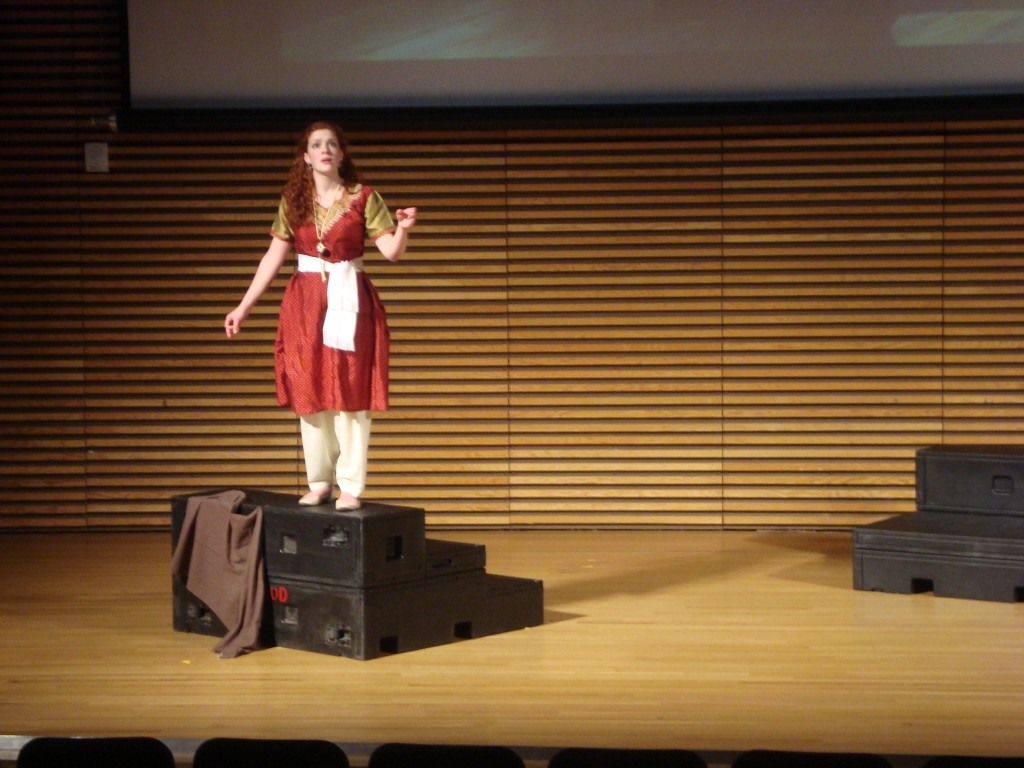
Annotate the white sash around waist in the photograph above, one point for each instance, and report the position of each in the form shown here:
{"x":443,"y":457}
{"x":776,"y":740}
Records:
{"x":342,"y":299}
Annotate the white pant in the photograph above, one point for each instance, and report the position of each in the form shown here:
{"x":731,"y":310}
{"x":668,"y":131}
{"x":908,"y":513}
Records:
{"x":335,"y":445}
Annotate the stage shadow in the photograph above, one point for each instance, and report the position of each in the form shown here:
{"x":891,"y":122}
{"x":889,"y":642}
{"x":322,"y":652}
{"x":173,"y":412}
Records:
{"x":657,"y":575}
{"x":833,"y":544}
{"x":555,"y":617}
{"x":832,"y":547}
{"x":704,"y":563}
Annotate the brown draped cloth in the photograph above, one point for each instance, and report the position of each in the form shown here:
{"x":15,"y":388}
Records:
{"x":219,"y":556}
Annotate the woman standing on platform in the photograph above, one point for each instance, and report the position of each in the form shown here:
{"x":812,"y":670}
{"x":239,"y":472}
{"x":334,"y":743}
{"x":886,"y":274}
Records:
{"x":331,"y":353}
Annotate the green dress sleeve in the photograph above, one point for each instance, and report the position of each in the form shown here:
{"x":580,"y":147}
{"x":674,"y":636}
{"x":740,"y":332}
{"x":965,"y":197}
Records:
{"x":281,"y":229}
{"x":378,"y":219}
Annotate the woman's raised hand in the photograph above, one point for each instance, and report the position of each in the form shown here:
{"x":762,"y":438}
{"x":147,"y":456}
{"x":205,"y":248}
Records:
{"x":406,"y":217}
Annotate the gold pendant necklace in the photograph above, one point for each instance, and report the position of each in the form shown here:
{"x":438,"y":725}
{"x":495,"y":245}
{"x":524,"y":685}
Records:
{"x":320,"y":227}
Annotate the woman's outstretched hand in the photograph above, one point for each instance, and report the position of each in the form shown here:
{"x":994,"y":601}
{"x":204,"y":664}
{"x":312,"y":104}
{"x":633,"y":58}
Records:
{"x":233,"y":321}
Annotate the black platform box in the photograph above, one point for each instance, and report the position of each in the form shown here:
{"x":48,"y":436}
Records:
{"x":374,"y":622}
{"x":451,"y":556}
{"x":509,"y":602}
{"x":377,"y":544}
{"x":975,"y":479}
{"x":190,"y":614}
{"x":979,"y":557}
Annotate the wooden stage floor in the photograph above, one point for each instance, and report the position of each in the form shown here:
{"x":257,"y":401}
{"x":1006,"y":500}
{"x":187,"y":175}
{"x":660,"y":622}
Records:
{"x":706,"y":640}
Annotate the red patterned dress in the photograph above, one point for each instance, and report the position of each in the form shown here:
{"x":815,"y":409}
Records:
{"x":312,"y":377}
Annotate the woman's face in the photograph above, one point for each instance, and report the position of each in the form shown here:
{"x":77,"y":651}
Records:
{"x":323,"y":152}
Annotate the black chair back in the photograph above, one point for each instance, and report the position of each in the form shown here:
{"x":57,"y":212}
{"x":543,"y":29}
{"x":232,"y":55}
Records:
{"x":768,"y":758}
{"x":398,"y":755}
{"x":593,"y":757}
{"x":269,"y":753}
{"x":95,"y":752}
{"x":966,"y":761}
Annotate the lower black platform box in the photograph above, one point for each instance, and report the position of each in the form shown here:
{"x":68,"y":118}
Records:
{"x":407,"y":616}
{"x":443,"y":558}
{"x":980,"y":557}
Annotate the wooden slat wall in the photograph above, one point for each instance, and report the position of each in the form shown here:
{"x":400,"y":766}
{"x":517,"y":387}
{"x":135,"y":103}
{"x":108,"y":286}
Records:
{"x":59,"y":64}
{"x":832,"y":319}
{"x":170,"y":239}
{"x":696,"y":324}
{"x":615,"y":296}
{"x":443,"y":444}
{"x":983,"y":283}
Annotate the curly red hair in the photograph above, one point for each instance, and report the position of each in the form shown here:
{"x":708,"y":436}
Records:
{"x":300,"y":191}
